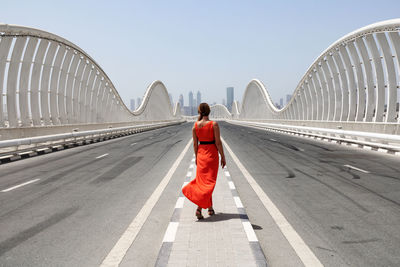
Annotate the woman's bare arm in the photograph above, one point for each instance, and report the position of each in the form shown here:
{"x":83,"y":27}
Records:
{"x":195,"y":142}
{"x":218,"y":143}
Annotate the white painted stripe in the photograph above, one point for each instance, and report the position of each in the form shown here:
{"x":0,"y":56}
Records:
{"x":231,"y":185}
{"x":238,"y":202}
{"x":193,"y":159}
{"x":189,"y":174}
{"x":300,"y":247}
{"x":118,"y":252}
{"x":179,"y":203}
{"x":133,"y":144}
{"x":273,"y":140}
{"x":171,"y":232}
{"x":184,"y":184}
{"x":355,"y":168}
{"x":191,"y":166}
{"x":251,"y":235}
{"x":384,"y":150}
{"x":227,"y":174}
{"x":20,"y":185}
{"x":102,"y":156}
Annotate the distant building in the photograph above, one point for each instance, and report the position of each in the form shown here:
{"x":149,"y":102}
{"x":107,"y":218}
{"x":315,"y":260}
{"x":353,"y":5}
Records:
{"x":187,"y":111}
{"x":138,"y":101}
{"x":132,"y":104}
{"x":170,"y":99}
{"x":281,"y":102}
{"x":191,"y":103}
{"x":288,"y":98}
{"x":198,"y":98}
{"x":223,"y":102}
{"x":181,"y":101}
{"x":229,"y":97}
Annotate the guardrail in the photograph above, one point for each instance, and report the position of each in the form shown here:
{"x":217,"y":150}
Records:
{"x":389,"y":142}
{"x":16,"y":148}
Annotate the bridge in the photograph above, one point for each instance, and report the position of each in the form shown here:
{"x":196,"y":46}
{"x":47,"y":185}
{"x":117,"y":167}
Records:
{"x":316,"y":183}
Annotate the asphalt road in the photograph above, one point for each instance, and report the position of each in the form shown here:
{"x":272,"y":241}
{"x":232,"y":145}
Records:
{"x":87,"y":196}
{"x":346,"y":216}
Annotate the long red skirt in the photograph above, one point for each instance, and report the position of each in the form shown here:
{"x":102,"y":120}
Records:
{"x":200,"y":190}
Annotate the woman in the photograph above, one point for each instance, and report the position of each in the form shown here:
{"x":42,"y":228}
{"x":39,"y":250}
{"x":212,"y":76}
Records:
{"x":200,"y":190}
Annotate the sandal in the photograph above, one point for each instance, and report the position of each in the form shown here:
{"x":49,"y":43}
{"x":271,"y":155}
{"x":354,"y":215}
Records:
{"x":211,"y":212}
{"x":198,"y":214}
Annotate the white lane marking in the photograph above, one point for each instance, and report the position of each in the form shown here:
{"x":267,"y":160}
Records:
{"x":301,"y":149}
{"x":231,"y":185}
{"x":238,"y":202}
{"x":227,"y":173}
{"x":189,"y":174}
{"x":133,"y":144}
{"x":193,"y":159}
{"x":191,"y":166}
{"x":102,"y":156}
{"x":20,"y":185}
{"x":171,"y":232}
{"x":251,"y":235}
{"x":273,"y":140}
{"x":179,"y":203}
{"x":118,"y":252}
{"x":184,"y":184}
{"x":300,"y":247}
{"x":355,"y":168}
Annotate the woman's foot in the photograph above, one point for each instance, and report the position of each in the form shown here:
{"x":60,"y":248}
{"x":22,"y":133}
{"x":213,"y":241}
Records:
{"x":211,"y":211}
{"x":198,"y":214}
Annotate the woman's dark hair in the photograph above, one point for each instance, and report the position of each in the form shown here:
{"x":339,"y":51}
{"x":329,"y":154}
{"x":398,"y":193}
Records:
{"x":204,"y":110}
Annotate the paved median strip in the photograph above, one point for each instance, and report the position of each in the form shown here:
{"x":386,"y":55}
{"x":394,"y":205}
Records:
{"x":118,"y":252}
{"x":300,"y":247}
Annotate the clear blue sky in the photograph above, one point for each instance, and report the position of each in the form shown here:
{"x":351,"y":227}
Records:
{"x":201,"y":45}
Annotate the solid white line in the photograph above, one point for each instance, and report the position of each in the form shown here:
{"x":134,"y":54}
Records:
{"x":102,"y":156}
{"x":231,"y":185}
{"x":179,"y":203}
{"x":189,"y":174}
{"x":300,"y":247}
{"x":20,"y":185}
{"x":184,"y":184}
{"x":227,"y":173}
{"x":355,"y":168}
{"x":118,"y":252}
{"x":133,"y":144}
{"x":171,"y":232}
{"x":251,"y":235}
{"x":238,"y":202}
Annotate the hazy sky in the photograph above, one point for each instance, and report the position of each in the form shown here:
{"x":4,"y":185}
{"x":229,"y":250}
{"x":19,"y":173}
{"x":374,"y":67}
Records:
{"x":201,"y":45}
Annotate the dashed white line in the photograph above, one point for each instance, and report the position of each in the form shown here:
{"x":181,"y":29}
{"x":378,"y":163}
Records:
{"x":133,"y":144}
{"x":304,"y":252}
{"x":238,"y":202}
{"x":355,"y":168}
{"x":191,"y":166}
{"x":231,"y":185}
{"x":184,"y":184}
{"x":179,"y":203}
{"x":189,"y":174}
{"x":171,"y":232}
{"x":227,"y":173}
{"x":273,"y":140}
{"x":20,"y":185}
{"x":102,"y":156}
{"x":193,"y":159}
{"x":251,"y":235}
{"x":118,"y":252}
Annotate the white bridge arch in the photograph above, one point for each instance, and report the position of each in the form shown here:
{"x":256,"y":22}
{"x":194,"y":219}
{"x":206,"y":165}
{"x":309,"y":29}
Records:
{"x":45,"y":80}
{"x":356,"y":79}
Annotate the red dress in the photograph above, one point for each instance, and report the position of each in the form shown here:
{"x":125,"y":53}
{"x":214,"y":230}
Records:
{"x":200,"y":190}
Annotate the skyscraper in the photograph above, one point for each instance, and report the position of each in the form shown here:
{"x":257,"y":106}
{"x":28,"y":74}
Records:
{"x":191,"y":102}
{"x":229,"y":98}
{"x":181,"y":101}
{"x":198,"y":98}
{"x":138,"y":101}
{"x":288,"y":98}
{"x":281,"y":102}
{"x":132,"y":104}
{"x":170,"y":99}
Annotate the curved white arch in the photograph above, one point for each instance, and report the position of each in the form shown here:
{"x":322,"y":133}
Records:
{"x":51,"y":81}
{"x":341,"y":84}
{"x":219,"y":111}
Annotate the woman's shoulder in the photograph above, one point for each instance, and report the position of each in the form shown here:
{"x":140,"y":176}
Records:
{"x":214,"y":123}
